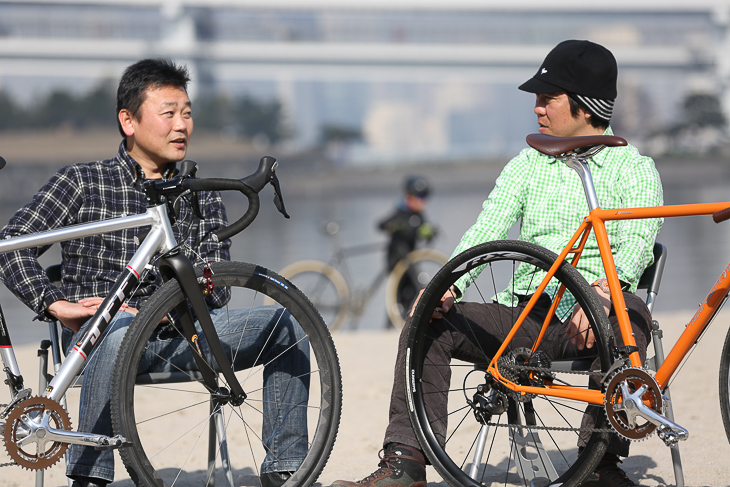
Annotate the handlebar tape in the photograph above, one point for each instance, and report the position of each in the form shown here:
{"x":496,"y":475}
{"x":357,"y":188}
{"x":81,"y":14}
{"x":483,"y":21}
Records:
{"x":219,"y":184}
{"x":249,"y":186}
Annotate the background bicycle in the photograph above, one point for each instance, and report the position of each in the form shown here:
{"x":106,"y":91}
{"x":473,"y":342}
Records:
{"x":339,"y":295}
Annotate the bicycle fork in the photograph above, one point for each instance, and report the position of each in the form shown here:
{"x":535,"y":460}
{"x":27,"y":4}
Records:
{"x":176,"y":265}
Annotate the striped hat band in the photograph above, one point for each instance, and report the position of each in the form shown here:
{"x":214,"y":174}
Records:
{"x":601,"y":108}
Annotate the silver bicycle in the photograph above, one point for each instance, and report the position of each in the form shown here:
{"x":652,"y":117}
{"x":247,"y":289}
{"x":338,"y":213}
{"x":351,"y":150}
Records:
{"x":192,"y":426}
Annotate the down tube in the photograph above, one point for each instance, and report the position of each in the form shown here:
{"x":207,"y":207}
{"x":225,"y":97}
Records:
{"x":696,"y":326}
{"x":714,"y":299}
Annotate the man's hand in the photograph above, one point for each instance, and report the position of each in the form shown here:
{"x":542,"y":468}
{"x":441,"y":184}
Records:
{"x":74,"y":315}
{"x":579,"y":329}
{"x":447,"y":301}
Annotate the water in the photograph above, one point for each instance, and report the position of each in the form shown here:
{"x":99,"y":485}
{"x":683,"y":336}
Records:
{"x":358,"y":199}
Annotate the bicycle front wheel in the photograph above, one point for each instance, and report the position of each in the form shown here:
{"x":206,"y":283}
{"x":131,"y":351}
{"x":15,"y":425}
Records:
{"x":408,"y":277}
{"x":725,"y":385}
{"x":180,"y":433}
{"x":474,"y":429}
{"x":325,"y":286}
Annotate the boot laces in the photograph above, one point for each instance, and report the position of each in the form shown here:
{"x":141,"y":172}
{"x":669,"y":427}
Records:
{"x":385,"y":467}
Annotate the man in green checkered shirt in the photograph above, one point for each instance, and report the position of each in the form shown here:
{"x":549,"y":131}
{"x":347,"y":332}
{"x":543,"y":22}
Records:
{"x":575,"y":89}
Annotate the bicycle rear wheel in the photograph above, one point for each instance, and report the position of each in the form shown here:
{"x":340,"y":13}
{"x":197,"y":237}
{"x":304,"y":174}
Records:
{"x":474,"y":430}
{"x":181,"y":434}
{"x":410,"y":275}
{"x":325,"y":286}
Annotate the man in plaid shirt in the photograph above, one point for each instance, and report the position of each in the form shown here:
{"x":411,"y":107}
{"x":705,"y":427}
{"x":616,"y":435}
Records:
{"x":575,"y":89}
{"x":155,"y":120}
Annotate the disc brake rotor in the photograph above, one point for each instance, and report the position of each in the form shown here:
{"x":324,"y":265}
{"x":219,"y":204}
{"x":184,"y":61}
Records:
{"x":634,"y":378}
{"x":35,"y":454}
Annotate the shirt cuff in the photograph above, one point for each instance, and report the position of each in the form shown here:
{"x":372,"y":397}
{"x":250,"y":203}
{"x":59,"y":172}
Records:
{"x":50,"y":296}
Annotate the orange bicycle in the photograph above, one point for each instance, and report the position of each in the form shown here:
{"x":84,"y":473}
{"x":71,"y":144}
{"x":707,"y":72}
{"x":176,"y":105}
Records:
{"x":514,"y":416}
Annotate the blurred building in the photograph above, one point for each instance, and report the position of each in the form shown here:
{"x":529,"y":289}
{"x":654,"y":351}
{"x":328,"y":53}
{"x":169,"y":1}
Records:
{"x":419,"y":80}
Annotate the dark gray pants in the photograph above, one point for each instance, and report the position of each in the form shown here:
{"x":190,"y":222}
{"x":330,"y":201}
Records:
{"x":486,"y":324}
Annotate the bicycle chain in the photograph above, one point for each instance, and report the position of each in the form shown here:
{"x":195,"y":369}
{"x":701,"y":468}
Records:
{"x":554,"y":371}
{"x":552,"y":428}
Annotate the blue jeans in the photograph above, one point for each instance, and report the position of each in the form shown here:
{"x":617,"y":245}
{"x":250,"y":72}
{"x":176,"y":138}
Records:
{"x":269,"y":331}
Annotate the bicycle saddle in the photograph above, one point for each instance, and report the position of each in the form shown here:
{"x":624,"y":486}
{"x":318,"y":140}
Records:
{"x":554,"y":146}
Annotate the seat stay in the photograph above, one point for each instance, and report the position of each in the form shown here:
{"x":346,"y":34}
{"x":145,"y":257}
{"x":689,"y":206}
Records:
{"x":593,"y":397}
{"x":584,"y":230}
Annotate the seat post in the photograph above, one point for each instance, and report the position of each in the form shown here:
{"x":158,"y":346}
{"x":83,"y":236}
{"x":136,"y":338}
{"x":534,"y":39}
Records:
{"x":580,"y":165}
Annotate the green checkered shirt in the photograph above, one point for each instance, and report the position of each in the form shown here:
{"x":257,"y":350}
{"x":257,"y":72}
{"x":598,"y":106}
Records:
{"x":548,"y":198}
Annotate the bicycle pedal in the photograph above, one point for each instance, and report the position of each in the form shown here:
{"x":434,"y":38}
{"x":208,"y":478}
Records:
{"x":113,"y":443}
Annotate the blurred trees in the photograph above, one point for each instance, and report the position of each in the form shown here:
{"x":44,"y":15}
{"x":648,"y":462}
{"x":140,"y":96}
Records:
{"x":243,"y":117}
{"x":701,"y":129}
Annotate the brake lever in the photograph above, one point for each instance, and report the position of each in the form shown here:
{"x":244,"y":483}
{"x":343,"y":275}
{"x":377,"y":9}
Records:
{"x":278,"y":200}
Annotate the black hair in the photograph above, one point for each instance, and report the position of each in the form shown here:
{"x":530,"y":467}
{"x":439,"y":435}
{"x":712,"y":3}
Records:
{"x":145,"y":74}
{"x":594,"y":120}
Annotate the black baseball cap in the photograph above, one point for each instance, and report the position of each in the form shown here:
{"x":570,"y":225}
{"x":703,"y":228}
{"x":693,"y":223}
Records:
{"x":585,"y":70}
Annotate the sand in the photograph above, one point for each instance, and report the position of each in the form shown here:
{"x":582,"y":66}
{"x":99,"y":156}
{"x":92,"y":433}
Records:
{"x":367,"y":367}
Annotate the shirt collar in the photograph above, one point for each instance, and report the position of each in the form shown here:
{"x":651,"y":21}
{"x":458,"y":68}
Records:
{"x":601,"y":157}
{"x":132,"y":169}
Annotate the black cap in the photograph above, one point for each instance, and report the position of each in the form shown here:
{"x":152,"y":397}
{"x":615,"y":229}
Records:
{"x":577,"y":67}
{"x":417,"y":186}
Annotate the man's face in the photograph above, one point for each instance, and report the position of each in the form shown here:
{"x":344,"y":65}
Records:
{"x":554,"y":117}
{"x":415,"y":203}
{"x":163,"y":126}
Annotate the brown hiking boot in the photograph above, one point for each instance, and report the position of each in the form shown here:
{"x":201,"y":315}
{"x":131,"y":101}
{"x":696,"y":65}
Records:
{"x":400,"y":466}
{"x":608,"y":474}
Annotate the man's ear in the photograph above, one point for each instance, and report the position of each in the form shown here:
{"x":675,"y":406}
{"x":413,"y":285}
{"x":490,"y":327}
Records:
{"x":126,"y":120}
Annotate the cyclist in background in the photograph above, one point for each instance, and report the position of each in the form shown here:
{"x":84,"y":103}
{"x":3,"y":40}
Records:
{"x":406,"y":227}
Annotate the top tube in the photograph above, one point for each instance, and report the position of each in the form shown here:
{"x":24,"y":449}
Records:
{"x":78,"y":231}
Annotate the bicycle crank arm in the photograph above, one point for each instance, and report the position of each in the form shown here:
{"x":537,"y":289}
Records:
{"x":40,"y":432}
{"x":633,"y":406}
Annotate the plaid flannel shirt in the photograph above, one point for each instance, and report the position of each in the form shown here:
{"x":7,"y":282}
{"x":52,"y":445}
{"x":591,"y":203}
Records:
{"x":547,"y":198}
{"x":90,"y":192}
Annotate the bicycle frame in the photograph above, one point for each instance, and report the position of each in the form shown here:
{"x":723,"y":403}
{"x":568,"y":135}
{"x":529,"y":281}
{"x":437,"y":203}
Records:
{"x":160,"y":238}
{"x":595,"y":221}
{"x":340,"y":256}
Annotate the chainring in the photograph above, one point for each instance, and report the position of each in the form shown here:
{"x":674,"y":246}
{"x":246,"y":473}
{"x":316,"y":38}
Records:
{"x":35,"y":455}
{"x":634,"y":378}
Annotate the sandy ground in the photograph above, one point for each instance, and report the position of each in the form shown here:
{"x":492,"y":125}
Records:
{"x":367,"y":368}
